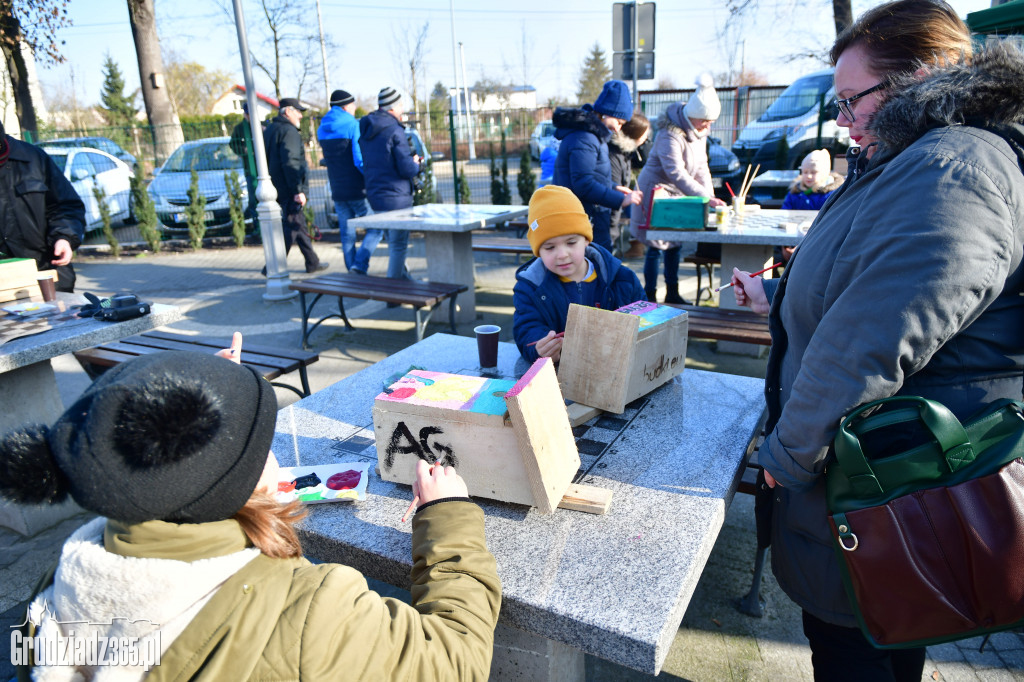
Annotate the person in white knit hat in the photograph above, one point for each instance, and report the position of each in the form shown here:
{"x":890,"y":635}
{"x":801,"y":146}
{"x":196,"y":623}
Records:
{"x":678,"y":164}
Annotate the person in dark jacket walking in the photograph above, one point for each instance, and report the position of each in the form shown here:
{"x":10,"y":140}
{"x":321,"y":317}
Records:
{"x":389,"y":167}
{"x":339,"y":138}
{"x":888,"y":296}
{"x":567,"y":269}
{"x":582,"y":164}
{"x":287,"y":161}
{"x":41,"y":216}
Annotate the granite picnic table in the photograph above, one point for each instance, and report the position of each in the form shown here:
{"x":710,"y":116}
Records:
{"x":615,"y":586}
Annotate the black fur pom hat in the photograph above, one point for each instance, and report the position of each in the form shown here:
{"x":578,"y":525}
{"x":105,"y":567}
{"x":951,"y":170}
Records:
{"x":174,"y":436}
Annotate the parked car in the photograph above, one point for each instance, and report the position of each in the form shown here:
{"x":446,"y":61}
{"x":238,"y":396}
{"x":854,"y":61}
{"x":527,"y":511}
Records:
{"x":87,"y":168}
{"x":213,"y":160}
{"x":417,"y":145}
{"x":104,"y":144}
{"x":724,"y":167}
{"x":542,"y":136}
{"x":793,"y":116}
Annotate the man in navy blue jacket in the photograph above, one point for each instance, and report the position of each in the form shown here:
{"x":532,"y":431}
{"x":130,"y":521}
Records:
{"x":339,"y":138}
{"x":389,"y":167}
{"x":582,"y":163}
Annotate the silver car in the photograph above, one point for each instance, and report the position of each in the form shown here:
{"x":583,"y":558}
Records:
{"x":213,"y":160}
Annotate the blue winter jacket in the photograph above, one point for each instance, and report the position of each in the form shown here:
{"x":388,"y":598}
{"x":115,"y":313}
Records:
{"x":582,"y":164}
{"x":800,"y":200}
{"x":339,"y":138}
{"x":388,"y":166}
{"x":542,"y":302}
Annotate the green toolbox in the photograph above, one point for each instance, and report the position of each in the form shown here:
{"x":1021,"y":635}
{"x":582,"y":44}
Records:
{"x":679,"y":213}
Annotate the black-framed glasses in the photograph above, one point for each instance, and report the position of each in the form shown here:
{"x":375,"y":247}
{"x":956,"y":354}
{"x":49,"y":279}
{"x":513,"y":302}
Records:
{"x":844,"y":104}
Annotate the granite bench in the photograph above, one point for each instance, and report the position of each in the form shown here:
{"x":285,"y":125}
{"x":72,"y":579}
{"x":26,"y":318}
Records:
{"x":270,"y":361}
{"x":415,"y":293}
{"x":723,"y":324}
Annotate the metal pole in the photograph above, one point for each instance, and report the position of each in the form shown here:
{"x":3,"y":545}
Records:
{"x":455,"y":159}
{"x":323,"y":56}
{"x":469,"y":106}
{"x":455,"y":68}
{"x":268,"y":210}
{"x":636,"y":48}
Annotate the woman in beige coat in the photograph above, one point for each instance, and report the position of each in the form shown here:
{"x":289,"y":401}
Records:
{"x":678,"y":164}
{"x":193,"y":558}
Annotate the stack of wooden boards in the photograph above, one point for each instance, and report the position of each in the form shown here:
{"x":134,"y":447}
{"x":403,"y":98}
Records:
{"x":512,"y":440}
{"x":18,"y":279}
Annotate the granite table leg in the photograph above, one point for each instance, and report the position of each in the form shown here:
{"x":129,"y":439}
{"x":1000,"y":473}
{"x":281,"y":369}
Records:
{"x":29,"y":395}
{"x":450,"y":259}
{"x":749,"y":258}
{"x":521,"y":656}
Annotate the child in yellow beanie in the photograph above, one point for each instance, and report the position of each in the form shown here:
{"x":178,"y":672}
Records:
{"x":568,"y":269}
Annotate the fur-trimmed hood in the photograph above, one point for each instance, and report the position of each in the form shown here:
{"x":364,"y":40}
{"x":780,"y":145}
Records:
{"x":989,"y":90}
{"x":584,"y":118}
{"x":834,"y":180}
{"x":673,"y":118}
{"x":625,"y":144}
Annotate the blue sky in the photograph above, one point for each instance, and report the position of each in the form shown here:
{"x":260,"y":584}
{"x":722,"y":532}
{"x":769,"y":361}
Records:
{"x":493,"y":34}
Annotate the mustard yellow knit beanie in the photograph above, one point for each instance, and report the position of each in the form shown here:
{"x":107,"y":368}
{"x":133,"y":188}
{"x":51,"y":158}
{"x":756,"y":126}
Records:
{"x":555,"y":211}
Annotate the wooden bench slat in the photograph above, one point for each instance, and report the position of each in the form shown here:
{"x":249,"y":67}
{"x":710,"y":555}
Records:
{"x":270,"y":362}
{"x":368,"y":287}
{"x":304,"y":357}
{"x":502,"y":245}
{"x":723,"y":324}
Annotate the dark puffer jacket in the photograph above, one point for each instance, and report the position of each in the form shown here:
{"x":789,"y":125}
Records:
{"x":38,"y":206}
{"x":582,"y":164}
{"x":339,"y":138}
{"x":286,"y":159}
{"x":388,"y":165}
{"x":909,"y":282}
{"x":542,"y":304}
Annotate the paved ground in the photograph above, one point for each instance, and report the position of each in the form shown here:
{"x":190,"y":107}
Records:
{"x":220,"y":292}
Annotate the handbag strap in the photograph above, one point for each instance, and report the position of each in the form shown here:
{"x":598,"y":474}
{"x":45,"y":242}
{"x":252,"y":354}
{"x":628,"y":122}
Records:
{"x":947,"y":430}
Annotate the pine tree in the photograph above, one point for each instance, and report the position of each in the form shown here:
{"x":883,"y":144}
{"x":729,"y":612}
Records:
{"x":195,"y":213}
{"x":144,"y":210}
{"x":117,"y":107}
{"x":506,"y":190}
{"x":108,"y":230}
{"x":526,"y":181}
{"x":235,"y":208}
{"x":594,"y":73}
{"x":462,"y":187}
{"x":424,"y":193}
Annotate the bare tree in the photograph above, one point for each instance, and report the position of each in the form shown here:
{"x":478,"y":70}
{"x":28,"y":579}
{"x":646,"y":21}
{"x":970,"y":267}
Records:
{"x":34,"y":27}
{"x":409,"y":50}
{"x":159,"y":108}
{"x":842,"y":12}
{"x":194,"y":88}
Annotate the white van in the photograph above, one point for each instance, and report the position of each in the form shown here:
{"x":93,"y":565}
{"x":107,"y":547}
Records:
{"x":794,"y":116}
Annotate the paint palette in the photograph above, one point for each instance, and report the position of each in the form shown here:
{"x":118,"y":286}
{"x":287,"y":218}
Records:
{"x":339,"y":482}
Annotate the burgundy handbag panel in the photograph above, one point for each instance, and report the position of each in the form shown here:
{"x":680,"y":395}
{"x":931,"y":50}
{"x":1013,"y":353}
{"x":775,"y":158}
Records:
{"x":961,"y":567}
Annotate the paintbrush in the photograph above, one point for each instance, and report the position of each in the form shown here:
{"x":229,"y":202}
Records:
{"x":557,"y":336}
{"x":728,"y":187}
{"x":759,"y":272}
{"x":743,"y":184}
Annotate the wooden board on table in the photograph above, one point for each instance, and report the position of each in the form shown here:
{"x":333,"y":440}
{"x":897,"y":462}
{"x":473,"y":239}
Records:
{"x":586,"y":498}
{"x":546,"y":444}
{"x":611,"y":358}
{"x":580,"y":413}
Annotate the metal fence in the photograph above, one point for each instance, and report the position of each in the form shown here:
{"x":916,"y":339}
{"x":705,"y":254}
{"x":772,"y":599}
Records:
{"x":443,"y":137}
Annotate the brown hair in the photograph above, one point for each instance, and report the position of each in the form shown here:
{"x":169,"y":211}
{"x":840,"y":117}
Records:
{"x":270,"y":525}
{"x":900,"y":36}
{"x":635,"y":127}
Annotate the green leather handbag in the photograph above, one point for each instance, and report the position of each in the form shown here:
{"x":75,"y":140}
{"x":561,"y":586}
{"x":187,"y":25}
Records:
{"x":930,"y":540}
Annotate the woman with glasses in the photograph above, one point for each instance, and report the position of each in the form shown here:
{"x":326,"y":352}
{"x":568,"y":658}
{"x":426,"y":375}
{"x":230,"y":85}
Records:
{"x":909,"y":282}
